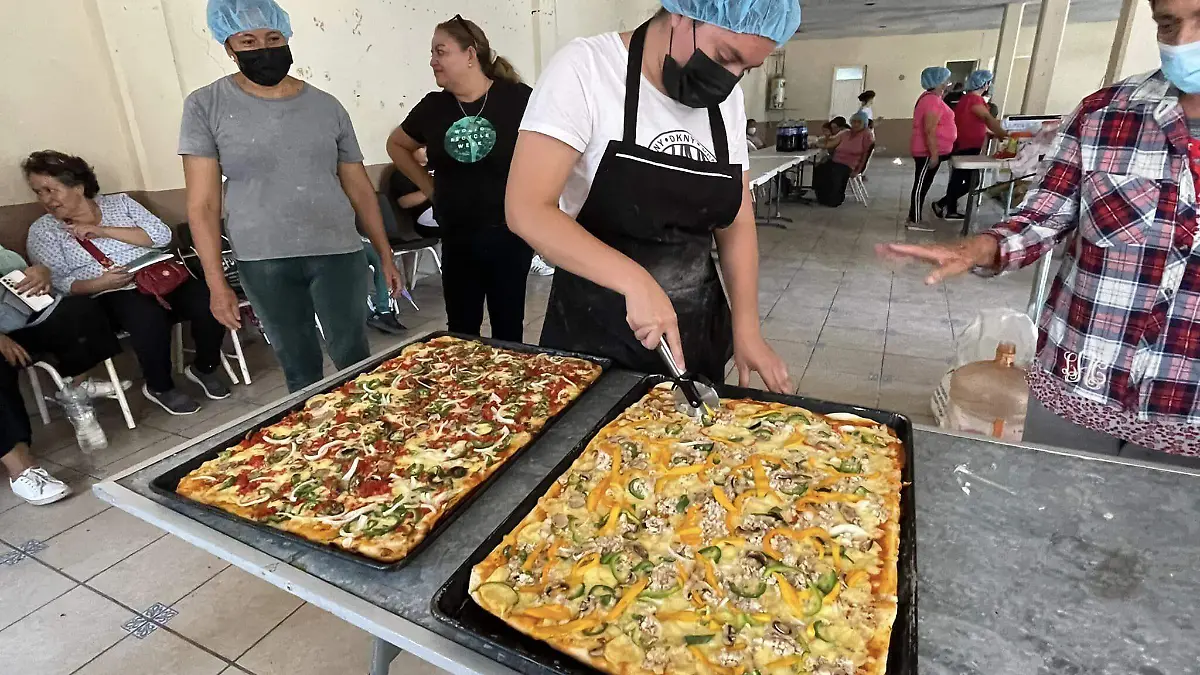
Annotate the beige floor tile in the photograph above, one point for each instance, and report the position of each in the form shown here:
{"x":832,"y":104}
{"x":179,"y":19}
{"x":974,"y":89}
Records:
{"x":852,"y":338}
{"x":63,"y":635}
{"x":839,"y":388}
{"x":164,"y":572}
{"x":915,"y":370}
{"x":108,"y":470}
{"x":802,"y":326}
{"x":159,"y":652}
{"x":864,"y":364}
{"x":212,"y":414}
{"x":122,"y":442}
{"x":906,"y":398}
{"x":25,"y":522}
{"x":97,"y":543}
{"x":26,"y":585}
{"x":232,"y":611}
{"x":310,"y":642}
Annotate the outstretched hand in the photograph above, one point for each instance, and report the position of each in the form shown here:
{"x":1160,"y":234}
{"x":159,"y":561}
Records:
{"x":948,"y":260}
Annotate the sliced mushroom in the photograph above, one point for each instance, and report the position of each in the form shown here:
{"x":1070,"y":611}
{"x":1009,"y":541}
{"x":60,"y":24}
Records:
{"x":758,"y":557}
{"x":729,"y":634}
{"x":559,"y":521}
{"x":576,"y":500}
{"x":781,"y":628}
{"x":598,"y":652}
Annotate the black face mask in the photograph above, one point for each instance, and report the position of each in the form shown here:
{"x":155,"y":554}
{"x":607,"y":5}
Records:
{"x":699,"y":83}
{"x":265,"y":67}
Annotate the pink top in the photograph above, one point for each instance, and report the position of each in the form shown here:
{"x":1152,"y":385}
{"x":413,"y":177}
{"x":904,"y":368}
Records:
{"x":853,"y":147}
{"x":972,"y":131}
{"x":946,"y":131}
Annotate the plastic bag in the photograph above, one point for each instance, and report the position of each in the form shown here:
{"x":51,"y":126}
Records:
{"x":979,"y":343}
{"x":991,"y":327}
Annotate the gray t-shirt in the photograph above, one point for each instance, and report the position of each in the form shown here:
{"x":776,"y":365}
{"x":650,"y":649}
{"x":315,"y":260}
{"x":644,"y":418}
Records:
{"x":280,"y":156}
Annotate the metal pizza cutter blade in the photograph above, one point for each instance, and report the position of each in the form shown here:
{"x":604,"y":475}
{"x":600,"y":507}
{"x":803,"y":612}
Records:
{"x":692,"y":397}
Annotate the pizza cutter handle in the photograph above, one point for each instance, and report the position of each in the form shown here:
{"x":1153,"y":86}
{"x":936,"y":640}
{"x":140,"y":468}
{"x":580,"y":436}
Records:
{"x":685,"y":384}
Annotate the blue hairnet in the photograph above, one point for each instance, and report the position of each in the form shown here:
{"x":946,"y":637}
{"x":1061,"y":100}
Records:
{"x":934,"y":76}
{"x":775,"y":19}
{"x":978,"y":80}
{"x":227,"y":18}
{"x":861,"y":117}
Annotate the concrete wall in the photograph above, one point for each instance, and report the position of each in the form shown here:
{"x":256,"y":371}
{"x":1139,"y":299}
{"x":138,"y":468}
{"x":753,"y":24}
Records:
{"x":894,"y":65}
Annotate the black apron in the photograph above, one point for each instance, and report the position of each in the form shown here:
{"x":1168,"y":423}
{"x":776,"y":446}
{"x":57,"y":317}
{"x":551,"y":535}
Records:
{"x":660,"y":210}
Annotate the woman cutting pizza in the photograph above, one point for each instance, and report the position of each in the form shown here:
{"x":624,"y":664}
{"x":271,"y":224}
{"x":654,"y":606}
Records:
{"x":641,"y":134}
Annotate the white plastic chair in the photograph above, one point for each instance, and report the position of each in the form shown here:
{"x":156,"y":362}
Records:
{"x":59,"y":382}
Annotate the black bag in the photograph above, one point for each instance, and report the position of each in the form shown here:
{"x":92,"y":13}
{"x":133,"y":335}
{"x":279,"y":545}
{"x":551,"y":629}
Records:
{"x":186,"y":250}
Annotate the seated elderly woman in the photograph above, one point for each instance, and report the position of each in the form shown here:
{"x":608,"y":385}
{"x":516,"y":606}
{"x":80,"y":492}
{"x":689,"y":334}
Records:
{"x":123,"y":231}
{"x":850,"y":150}
{"x":73,"y":333}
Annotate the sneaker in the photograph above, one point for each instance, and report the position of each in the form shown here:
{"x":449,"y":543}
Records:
{"x":37,"y":487}
{"x":939,"y":210}
{"x":103,"y":388}
{"x":954,"y":215}
{"x":212,"y":385}
{"x":174,"y":402}
{"x":540,"y":267}
{"x":386,"y":322}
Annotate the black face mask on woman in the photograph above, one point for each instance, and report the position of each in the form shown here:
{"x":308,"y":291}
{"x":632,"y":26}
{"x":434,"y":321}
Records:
{"x":699,"y":83}
{"x":265,"y":67}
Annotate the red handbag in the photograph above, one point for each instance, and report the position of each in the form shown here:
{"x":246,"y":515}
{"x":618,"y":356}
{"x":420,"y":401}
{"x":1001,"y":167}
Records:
{"x":158,"y":280}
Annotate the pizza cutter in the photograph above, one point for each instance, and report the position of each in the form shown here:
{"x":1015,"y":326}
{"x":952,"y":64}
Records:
{"x":692,"y":397}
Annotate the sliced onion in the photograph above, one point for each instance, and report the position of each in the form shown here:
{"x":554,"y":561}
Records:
{"x":274,"y":441}
{"x":347,"y":516}
{"x":850,"y":529}
{"x":265,"y":498}
{"x":353,"y":468}
{"x":322,"y":450}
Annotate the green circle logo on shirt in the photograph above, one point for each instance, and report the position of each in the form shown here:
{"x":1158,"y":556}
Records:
{"x":470,"y":139}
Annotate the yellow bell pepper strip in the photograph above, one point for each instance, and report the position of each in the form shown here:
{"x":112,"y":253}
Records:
{"x":578,"y":625}
{"x":708,"y":665}
{"x":785,"y":662}
{"x":761,"y":483}
{"x":709,"y":576}
{"x":550,"y":561}
{"x":617,"y":456}
{"x":627,"y":599}
{"x":768,"y":547}
{"x":825,"y":497}
{"x":585,"y":564}
{"x":683,"y":573}
{"x":789,"y":595}
{"x":686,"y":470}
{"x":832,"y":595}
{"x":610,"y":524}
{"x":837,"y":556}
{"x":723,"y":499}
{"x":598,"y":493}
{"x":533,"y":556}
{"x":857,"y":577}
{"x":695,"y":598}
{"x":552,"y":612}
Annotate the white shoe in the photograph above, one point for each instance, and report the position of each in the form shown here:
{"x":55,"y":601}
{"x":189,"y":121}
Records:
{"x":103,"y":388}
{"x":540,"y":267}
{"x":37,"y":487}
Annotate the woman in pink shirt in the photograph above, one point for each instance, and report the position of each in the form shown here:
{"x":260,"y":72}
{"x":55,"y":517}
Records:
{"x":933,"y":137}
{"x":850,"y":150}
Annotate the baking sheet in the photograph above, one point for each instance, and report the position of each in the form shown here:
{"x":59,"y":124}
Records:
{"x":453,"y":605}
{"x":166,"y":483}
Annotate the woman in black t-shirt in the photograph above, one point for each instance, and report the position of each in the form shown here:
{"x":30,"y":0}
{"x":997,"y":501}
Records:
{"x":469,"y":130}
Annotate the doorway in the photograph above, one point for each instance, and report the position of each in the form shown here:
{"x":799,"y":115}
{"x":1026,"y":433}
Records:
{"x":848,"y":83}
{"x":960,"y":71}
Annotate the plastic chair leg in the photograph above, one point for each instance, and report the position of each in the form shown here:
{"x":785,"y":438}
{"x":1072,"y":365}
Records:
{"x":121,"y":399}
{"x":241,"y":357}
{"x":35,"y":384}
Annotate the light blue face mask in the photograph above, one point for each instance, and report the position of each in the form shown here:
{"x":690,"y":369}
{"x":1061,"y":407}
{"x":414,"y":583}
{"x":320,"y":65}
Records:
{"x":1181,"y":65}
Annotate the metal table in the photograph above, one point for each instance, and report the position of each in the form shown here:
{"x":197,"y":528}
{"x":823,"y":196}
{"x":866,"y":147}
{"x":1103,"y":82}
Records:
{"x":767,"y":168}
{"x":1031,"y":560}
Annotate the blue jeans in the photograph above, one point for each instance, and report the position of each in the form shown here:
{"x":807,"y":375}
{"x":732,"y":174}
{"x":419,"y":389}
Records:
{"x":286,"y":294}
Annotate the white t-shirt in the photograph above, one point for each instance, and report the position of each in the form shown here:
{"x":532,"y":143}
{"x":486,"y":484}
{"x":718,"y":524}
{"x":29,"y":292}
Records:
{"x":870,"y":113}
{"x":580,"y":100}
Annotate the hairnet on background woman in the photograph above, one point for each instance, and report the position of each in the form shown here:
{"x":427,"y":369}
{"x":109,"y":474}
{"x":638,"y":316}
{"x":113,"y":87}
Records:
{"x":227,"y":18}
{"x":934,"y":77}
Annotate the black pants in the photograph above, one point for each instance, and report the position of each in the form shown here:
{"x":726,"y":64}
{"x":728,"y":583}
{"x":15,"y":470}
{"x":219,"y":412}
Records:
{"x":75,"y":337}
{"x":489,"y":265}
{"x":149,"y":327}
{"x":960,"y":182}
{"x":922,"y":180}
{"x":829,"y":182}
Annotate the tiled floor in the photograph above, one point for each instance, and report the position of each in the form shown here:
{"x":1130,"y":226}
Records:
{"x":89,"y":589}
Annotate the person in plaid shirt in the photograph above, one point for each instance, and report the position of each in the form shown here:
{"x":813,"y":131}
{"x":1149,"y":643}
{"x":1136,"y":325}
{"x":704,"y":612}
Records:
{"x":1118,"y":365}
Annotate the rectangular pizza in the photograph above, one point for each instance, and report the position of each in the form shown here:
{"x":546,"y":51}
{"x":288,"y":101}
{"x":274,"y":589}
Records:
{"x":762,"y":539}
{"x":373,"y":465}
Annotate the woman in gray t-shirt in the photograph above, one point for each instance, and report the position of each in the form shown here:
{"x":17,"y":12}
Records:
{"x":295,"y":181}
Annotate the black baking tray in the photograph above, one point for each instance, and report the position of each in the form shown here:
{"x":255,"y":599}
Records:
{"x":166,"y":484}
{"x":453,"y":605}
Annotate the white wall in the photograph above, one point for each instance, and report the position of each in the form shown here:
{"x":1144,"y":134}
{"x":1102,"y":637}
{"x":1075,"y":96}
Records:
{"x":894,"y":65}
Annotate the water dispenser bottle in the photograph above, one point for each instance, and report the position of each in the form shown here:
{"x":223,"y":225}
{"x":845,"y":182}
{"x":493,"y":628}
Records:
{"x":78,"y":408}
{"x":990,"y":397}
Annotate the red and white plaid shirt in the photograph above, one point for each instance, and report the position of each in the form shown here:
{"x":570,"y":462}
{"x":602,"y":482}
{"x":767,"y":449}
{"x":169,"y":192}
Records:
{"x":1121,"y":327}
